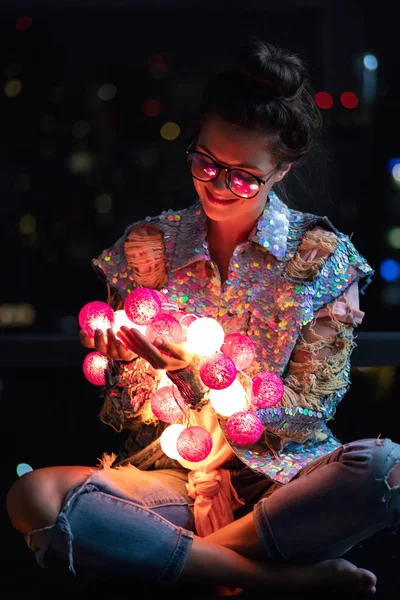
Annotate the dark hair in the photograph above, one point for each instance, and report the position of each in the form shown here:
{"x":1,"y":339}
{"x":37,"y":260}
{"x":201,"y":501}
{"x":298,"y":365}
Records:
{"x":268,"y":91}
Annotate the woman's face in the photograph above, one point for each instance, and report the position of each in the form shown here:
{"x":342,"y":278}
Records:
{"x":234,"y":148}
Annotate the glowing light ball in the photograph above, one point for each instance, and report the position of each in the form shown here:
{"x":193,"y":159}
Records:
{"x":94,"y":367}
{"x":240,"y":348}
{"x":204,"y":336}
{"x":244,"y":428}
{"x":168,"y":440}
{"x":165,"y":326}
{"x":230,"y":400}
{"x":96,"y":315}
{"x":166,"y":404}
{"x":186,"y":319}
{"x":142,"y":305}
{"x":218,"y":371}
{"x":267,"y":389}
{"x":194,"y":443}
{"x":121,"y":318}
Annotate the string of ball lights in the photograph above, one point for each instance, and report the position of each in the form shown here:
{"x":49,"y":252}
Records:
{"x":223,"y":358}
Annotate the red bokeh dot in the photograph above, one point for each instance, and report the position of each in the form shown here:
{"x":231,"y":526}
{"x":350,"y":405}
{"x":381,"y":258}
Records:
{"x":23,"y":23}
{"x":349,"y":99}
{"x":151,"y":108}
{"x":323,"y":100}
{"x":156,"y":62}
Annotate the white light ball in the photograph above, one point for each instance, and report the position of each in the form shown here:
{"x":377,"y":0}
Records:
{"x":169,"y":438}
{"x":121,"y":318}
{"x":204,"y":336}
{"x":230,"y":400}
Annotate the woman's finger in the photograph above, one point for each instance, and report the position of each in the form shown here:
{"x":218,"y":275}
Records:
{"x":138,"y":343}
{"x":85,"y":339}
{"x":99,"y":342}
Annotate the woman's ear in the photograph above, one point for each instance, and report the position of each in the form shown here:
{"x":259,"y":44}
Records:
{"x":282,"y":172}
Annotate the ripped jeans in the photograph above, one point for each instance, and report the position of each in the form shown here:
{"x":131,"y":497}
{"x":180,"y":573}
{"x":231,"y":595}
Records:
{"x":140,"y":524}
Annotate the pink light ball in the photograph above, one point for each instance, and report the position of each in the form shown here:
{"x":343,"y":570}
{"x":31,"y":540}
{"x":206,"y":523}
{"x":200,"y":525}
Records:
{"x":194,"y":444}
{"x":244,"y":428}
{"x":165,"y":326}
{"x":218,"y":371}
{"x":142,"y":305}
{"x":240,"y":348}
{"x":96,"y":315}
{"x":94,"y":367}
{"x":166,"y":404}
{"x":267,"y":389}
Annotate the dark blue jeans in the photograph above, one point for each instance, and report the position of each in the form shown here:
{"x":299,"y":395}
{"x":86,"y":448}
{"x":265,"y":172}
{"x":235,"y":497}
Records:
{"x":137,"y":524}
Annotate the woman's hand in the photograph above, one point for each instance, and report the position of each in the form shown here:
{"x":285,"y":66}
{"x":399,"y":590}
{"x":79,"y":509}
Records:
{"x":161,"y":354}
{"x":107,"y":345}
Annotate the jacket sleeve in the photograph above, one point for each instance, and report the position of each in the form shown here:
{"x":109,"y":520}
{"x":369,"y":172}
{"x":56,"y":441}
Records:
{"x":135,"y":260}
{"x":318,"y":373}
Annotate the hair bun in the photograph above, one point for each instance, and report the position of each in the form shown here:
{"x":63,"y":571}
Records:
{"x":282,"y":72}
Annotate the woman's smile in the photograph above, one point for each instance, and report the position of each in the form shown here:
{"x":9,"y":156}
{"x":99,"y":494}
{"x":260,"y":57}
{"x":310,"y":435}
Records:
{"x":219,"y":202}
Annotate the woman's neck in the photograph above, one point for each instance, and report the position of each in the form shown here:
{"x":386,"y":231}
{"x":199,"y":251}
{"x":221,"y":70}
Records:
{"x":223,"y":237}
{"x":226,"y":235}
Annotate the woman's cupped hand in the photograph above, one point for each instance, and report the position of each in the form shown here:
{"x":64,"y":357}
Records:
{"x":129,"y":343}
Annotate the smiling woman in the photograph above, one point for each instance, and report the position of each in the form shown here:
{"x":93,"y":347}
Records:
{"x":274,"y":510}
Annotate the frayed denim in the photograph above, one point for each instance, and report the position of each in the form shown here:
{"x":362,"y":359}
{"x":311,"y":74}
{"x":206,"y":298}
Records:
{"x":332,"y":504}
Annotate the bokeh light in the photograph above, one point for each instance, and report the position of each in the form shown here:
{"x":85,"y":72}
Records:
{"x":349,"y":100}
{"x":370,"y":62}
{"x":391,"y":295}
{"x":23,"y":23}
{"x":13,"y":88}
{"x":27,"y":224}
{"x":80,"y":129}
{"x":107,"y":92}
{"x":23,"y":468}
{"x":170,"y":131}
{"x":151,"y":108}
{"x":103,"y":203}
{"x":324,"y":100}
{"x":390,"y":269}
{"x":393,"y":237}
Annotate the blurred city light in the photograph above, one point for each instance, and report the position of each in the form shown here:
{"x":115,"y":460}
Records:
{"x":107,"y":91}
{"x":23,"y":23}
{"x":17,"y":315}
{"x":152,"y":108}
{"x":23,"y":468}
{"x":170,"y":131}
{"x":349,"y":100}
{"x":391,"y":295}
{"x":13,"y":88}
{"x":393,"y":237}
{"x":396,"y":173}
{"x":103,"y":203}
{"x":370,"y":62}
{"x":27,"y":224}
{"x":390,"y":269}
{"x":324,"y":100}
{"x":391,"y":163}
{"x":80,"y":129}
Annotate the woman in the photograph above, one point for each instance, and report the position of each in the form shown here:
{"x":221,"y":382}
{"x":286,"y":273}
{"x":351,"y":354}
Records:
{"x":278,"y":514}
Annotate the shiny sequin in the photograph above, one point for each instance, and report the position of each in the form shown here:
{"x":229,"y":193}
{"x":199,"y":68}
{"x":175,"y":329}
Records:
{"x":257,"y":300}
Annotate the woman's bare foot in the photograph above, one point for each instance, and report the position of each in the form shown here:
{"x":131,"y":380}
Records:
{"x":338,"y":574}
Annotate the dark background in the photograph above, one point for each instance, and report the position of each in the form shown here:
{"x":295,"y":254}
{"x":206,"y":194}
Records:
{"x":76,"y":169}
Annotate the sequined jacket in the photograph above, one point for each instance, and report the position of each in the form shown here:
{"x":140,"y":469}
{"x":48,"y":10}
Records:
{"x":264,"y":298}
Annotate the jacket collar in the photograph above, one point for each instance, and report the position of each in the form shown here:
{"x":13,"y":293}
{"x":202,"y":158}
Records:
{"x":270,"y":232}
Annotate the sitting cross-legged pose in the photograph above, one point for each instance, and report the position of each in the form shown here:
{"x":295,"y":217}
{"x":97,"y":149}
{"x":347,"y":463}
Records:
{"x":276,"y":513}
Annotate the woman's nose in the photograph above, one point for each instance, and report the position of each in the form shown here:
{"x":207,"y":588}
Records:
{"x":219,"y":183}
